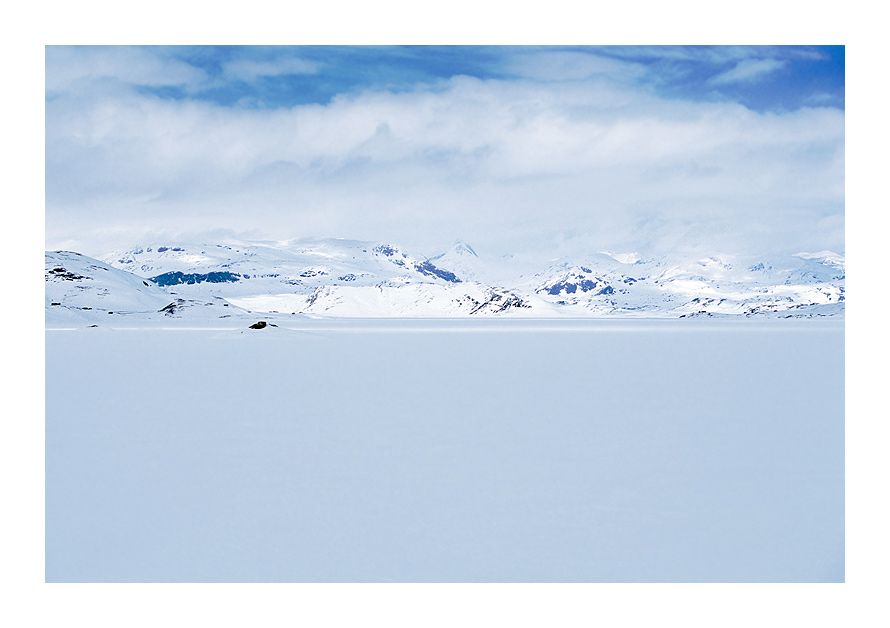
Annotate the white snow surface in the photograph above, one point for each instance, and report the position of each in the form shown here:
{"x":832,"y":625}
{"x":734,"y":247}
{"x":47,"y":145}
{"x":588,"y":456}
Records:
{"x":463,"y":450}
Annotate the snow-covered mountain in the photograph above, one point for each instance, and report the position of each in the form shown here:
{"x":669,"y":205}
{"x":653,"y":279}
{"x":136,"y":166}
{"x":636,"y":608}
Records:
{"x":348,"y":278}
{"x":462,"y":260}
{"x":326,"y":277}
{"x":82,"y":290}
{"x":603,"y":284}
{"x":297,"y":267}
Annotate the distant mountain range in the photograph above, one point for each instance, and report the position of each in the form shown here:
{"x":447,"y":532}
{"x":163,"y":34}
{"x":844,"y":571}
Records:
{"x":347,"y":278}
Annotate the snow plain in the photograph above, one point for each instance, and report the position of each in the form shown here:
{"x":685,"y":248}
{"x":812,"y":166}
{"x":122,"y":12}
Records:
{"x":447,"y":451}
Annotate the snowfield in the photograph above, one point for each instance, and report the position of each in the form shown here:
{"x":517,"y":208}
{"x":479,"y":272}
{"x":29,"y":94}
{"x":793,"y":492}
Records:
{"x":481,"y":450}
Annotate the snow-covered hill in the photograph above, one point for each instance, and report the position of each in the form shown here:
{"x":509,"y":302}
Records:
{"x":83,"y":290}
{"x":603,"y":284}
{"x":348,"y":278}
{"x":296,"y":267}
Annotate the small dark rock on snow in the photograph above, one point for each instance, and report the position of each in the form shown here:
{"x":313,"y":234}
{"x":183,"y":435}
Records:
{"x":260,"y":325}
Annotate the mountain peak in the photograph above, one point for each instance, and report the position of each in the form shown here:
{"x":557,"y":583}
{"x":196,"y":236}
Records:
{"x":829,"y":258}
{"x":624,"y":258}
{"x":462,"y":248}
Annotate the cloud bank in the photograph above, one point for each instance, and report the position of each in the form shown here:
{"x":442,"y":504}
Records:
{"x":544,"y":148}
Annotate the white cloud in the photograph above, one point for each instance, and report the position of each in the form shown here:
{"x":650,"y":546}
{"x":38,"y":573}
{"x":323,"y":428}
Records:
{"x":569,"y":65}
{"x":66,"y":66}
{"x":249,"y":70}
{"x":500,"y":162}
{"x":748,"y":70}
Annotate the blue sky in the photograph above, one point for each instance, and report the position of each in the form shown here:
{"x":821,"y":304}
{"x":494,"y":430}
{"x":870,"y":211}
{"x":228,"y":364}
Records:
{"x":651,"y":148}
{"x":764,"y":78}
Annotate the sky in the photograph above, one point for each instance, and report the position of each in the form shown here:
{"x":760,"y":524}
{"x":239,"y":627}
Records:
{"x":554,"y":149}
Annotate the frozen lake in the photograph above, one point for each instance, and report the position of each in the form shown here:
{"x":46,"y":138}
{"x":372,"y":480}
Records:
{"x":440,"y":451}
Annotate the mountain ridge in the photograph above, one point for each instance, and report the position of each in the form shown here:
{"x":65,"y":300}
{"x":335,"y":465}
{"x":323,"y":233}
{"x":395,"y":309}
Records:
{"x":352,"y":278}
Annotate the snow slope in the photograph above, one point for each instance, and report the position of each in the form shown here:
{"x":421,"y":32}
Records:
{"x":409,"y":299}
{"x":81,"y":290}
